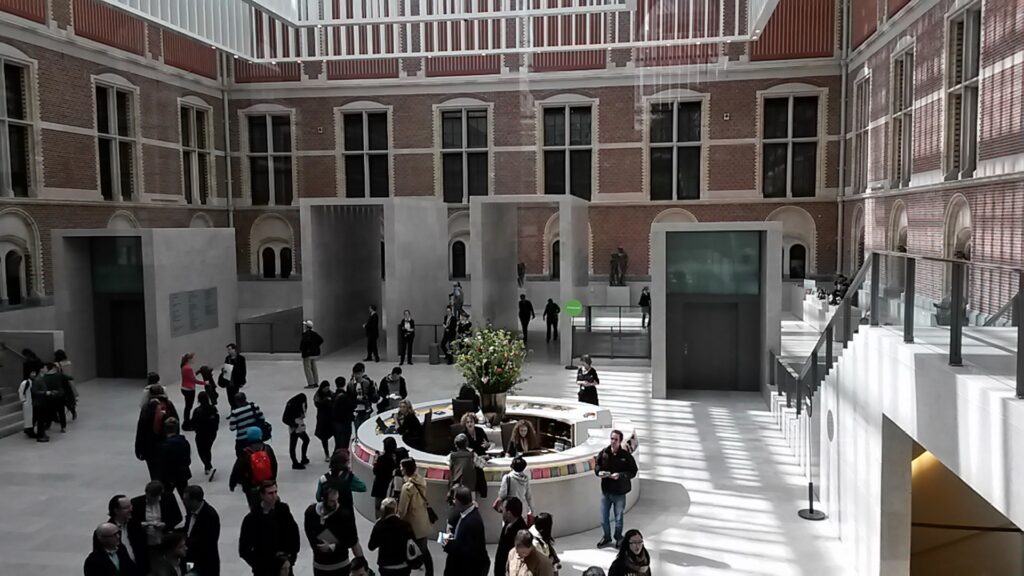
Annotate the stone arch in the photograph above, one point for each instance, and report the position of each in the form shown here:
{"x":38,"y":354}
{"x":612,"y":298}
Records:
{"x":458,"y":231}
{"x":856,"y":250}
{"x":898,"y":227}
{"x":19,"y":237}
{"x":896,"y":267}
{"x":798,"y":230}
{"x":552,"y":234}
{"x":200,"y":220}
{"x":957,"y":231}
{"x":273,"y":232}
{"x":122,"y":220}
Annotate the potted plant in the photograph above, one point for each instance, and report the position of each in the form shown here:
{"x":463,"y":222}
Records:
{"x":491,"y":361}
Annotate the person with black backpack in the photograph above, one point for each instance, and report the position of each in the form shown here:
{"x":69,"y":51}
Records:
{"x":295,"y":419}
{"x":255,"y":465}
{"x":364,"y":391}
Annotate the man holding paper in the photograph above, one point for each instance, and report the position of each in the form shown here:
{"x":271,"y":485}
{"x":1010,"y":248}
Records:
{"x":331,"y":534}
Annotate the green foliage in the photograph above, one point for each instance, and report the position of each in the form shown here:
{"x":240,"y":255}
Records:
{"x":491,"y":360}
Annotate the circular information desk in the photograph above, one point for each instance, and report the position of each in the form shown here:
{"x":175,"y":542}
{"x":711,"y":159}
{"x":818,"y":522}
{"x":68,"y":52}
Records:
{"x":563,"y":482}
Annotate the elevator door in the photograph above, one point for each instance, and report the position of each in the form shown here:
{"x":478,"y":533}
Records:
{"x":709,"y":346}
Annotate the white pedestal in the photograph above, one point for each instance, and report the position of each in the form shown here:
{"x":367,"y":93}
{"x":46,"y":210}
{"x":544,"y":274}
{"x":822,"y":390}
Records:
{"x":618,"y":296}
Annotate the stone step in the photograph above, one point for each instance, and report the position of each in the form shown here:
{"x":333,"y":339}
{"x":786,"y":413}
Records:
{"x":10,"y":408}
{"x":10,"y":429}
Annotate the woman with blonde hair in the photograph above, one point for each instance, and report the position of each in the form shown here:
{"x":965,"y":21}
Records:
{"x":524,"y":439}
{"x":409,"y":425}
{"x":188,"y":387}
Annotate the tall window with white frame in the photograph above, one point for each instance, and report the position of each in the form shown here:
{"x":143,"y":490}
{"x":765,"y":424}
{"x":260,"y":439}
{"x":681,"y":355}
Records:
{"x":789,"y":147}
{"x":270,"y":159}
{"x":675,"y":150}
{"x":195,"y":153}
{"x":902,"y":99}
{"x":15,"y":131}
{"x":464,"y":148}
{"x":365,"y":149}
{"x":861,"y":122}
{"x":568,"y":150}
{"x":115,"y":128}
{"x":962,"y":71}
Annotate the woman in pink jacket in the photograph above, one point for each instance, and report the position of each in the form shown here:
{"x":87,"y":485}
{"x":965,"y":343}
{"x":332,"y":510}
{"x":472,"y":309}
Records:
{"x":188,"y":387}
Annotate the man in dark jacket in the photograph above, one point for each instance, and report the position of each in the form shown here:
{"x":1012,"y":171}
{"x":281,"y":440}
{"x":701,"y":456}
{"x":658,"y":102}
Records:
{"x":513,"y":523}
{"x":615,"y":467}
{"x":466,"y":541}
{"x":153,"y":514}
{"x":202,"y":527}
{"x":364,"y":391}
{"x":372,"y":328}
{"x":393,"y":383}
{"x":109,"y":557}
{"x":331,"y":531}
{"x":551,"y":311}
{"x":233,"y":373}
{"x":526,"y":314}
{"x":406,"y":336}
{"x":269,"y":534}
{"x":175,"y":458}
{"x":309,"y":348}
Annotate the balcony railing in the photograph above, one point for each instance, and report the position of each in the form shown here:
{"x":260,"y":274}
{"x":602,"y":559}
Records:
{"x":948,"y":297}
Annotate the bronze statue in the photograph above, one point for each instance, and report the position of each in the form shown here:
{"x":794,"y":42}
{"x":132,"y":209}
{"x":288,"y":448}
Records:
{"x":617,"y":268}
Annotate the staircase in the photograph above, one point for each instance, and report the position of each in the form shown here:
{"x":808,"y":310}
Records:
{"x":10,"y":412}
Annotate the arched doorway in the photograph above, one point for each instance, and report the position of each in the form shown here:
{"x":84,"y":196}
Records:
{"x":958,"y":240}
{"x":286,"y":262}
{"x":556,"y":260}
{"x":458,"y":259}
{"x":797,"y":261}
{"x":268,"y":263}
{"x":15,"y":277}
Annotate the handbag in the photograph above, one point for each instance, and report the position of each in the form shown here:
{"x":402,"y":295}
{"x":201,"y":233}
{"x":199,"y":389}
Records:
{"x":413,"y":555}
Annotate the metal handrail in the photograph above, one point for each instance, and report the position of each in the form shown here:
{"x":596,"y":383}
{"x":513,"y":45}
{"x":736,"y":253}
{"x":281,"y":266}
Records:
{"x":943,"y":260}
{"x":4,"y":346}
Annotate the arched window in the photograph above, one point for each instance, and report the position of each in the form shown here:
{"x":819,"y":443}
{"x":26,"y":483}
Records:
{"x":14,"y":274}
{"x":556,"y":260}
{"x":458,"y":259}
{"x":797,"y":261}
{"x":268,"y":264}
{"x":286,"y":262}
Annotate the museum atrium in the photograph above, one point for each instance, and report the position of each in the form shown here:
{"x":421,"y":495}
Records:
{"x":536,"y":209}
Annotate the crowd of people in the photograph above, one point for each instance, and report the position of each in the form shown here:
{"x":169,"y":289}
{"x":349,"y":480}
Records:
{"x":151,"y":534}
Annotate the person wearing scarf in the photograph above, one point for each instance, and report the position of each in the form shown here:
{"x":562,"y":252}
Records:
{"x":633,"y":559}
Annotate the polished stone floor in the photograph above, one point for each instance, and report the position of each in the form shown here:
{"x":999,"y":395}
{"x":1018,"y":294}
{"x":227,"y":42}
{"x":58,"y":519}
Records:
{"x":720,"y":488}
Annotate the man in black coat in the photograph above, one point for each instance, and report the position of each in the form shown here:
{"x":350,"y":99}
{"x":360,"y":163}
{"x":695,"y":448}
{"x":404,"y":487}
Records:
{"x":153,"y":515}
{"x":109,"y":557}
{"x":615,"y":467}
{"x":551,"y":311}
{"x":202,"y":528}
{"x":466,"y":540}
{"x":236,"y":379}
{"x":309,"y":349}
{"x":372,"y":328}
{"x":526,"y":314}
{"x":269,"y":534}
{"x":513,"y":523}
{"x":175,"y":458}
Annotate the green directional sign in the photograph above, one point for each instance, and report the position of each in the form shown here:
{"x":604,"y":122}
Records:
{"x":573,"y":308}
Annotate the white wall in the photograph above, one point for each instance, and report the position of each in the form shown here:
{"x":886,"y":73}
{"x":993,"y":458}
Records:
{"x":970,"y":421}
{"x":494,"y":229}
{"x":257,"y":297}
{"x":29,"y":318}
{"x":190,"y":259}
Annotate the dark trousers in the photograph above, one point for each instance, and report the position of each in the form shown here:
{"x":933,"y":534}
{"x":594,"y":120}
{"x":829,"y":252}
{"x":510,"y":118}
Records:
{"x":232,"y":392}
{"x":293,"y":439}
{"x":428,"y":562}
{"x":153,"y":465}
{"x":342,"y":435}
{"x":204,"y":443}
{"x":405,"y":349}
{"x":58,"y":408}
{"x":552,"y":327}
{"x":41,"y":411}
{"x":371,"y":349}
{"x":525,"y":323}
{"x":190,"y":399}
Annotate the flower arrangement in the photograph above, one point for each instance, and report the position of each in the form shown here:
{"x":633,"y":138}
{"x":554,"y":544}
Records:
{"x":491,"y":360}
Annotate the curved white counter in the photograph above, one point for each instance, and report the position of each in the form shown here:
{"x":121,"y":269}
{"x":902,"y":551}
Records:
{"x":563,"y":483}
